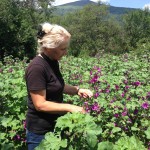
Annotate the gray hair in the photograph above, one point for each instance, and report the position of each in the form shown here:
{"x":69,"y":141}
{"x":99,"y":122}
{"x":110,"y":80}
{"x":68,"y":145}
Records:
{"x":51,"y":36}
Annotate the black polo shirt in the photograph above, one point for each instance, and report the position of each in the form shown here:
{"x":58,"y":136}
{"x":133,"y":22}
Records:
{"x":43,"y":74}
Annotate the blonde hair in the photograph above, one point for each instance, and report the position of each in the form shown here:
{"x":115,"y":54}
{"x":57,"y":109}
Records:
{"x":51,"y":36}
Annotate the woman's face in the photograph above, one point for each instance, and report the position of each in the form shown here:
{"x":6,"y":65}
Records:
{"x":59,"y":52}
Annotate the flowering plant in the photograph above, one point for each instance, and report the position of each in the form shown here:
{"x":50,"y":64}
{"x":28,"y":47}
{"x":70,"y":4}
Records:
{"x":121,"y":101}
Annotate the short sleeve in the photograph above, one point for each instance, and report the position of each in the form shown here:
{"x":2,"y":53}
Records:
{"x":35,"y":78}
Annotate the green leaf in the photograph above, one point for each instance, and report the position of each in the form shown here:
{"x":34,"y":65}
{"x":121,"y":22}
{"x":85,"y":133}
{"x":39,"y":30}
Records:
{"x":2,"y":136}
{"x":21,"y":116}
{"x":12,"y":134}
{"x":91,"y":139}
{"x":147,"y":132}
{"x":116,"y":129}
{"x":105,"y":146}
{"x":129,"y":143}
{"x":64,"y":143}
{"x":52,"y":142}
{"x":7,"y":146}
{"x":92,"y":128}
{"x":135,"y":129}
{"x":6,"y":121}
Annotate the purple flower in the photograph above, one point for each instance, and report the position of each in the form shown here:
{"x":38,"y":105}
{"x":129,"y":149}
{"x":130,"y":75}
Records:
{"x":24,"y":124}
{"x":107,"y":91}
{"x":148,"y":95}
{"x":124,"y":113}
{"x":116,"y":115}
{"x":108,"y":86}
{"x":129,"y":120}
{"x":145,"y":105}
{"x":127,"y":87}
{"x":94,"y":79}
{"x":126,"y":129}
{"x":125,"y":109}
{"x":115,"y":124}
{"x":16,"y":137}
{"x":136,"y":111}
{"x":122,"y":94}
{"x":98,"y":69}
{"x":137,"y":83}
{"x":86,"y":107}
{"x":143,"y":98}
{"x":125,"y":81}
{"x":10,"y":70}
{"x":95,"y":107}
{"x":129,"y":98}
{"x":125,"y":91}
{"x":96,"y":95}
{"x":117,"y":87}
{"x":86,"y":103}
{"x":112,"y":101}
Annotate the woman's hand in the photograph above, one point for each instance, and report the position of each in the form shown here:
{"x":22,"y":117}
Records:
{"x":85,"y":93}
{"x":74,"y":108}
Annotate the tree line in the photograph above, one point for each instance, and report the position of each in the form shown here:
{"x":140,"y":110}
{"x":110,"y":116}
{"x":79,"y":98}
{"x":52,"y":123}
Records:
{"x":93,"y":29}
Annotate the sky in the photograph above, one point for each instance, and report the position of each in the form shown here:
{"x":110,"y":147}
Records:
{"x":118,"y":3}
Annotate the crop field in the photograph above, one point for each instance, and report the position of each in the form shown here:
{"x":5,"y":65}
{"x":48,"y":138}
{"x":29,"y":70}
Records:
{"x":118,"y":115}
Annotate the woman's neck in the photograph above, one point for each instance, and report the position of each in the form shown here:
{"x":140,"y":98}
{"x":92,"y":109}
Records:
{"x":46,"y":54}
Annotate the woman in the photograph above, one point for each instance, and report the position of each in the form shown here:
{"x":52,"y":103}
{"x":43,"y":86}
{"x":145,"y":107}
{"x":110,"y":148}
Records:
{"x":45,"y":84}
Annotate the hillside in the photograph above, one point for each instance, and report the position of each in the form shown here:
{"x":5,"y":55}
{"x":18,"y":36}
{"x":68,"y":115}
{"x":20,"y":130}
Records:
{"x":73,"y":6}
{"x":79,"y":3}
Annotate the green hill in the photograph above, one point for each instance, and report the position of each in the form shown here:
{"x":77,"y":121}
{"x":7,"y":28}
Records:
{"x":80,"y":3}
{"x":74,"y":6}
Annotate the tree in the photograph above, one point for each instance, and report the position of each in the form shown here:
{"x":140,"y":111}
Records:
{"x":18,"y":26}
{"x":137,"y":26}
{"x":9,"y":24}
{"x":93,"y":31}
{"x":85,"y":29}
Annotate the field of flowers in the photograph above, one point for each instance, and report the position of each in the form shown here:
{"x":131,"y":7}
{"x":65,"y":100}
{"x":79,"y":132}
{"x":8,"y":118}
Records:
{"x":118,"y":115}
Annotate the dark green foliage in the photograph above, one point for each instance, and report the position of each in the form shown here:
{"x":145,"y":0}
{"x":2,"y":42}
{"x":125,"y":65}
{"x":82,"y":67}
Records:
{"x":13,"y":105}
{"x":137,"y":26}
{"x":94,"y":31}
{"x":120,"y":10}
{"x":18,"y":24}
{"x":72,"y":131}
{"x":16,"y":30}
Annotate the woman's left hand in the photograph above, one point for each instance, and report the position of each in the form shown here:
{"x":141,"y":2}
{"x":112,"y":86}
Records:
{"x":85,"y":93}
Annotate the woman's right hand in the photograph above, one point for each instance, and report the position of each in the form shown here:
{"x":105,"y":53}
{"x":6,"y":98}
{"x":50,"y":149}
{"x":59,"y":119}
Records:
{"x":74,"y":108}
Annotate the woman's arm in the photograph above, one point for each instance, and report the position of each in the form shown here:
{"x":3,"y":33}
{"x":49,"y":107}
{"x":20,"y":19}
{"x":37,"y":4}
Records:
{"x":73,"y":90}
{"x":41,"y":104}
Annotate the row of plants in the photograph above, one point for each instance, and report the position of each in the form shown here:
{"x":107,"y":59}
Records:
{"x":118,"y":115}
{"x":13,"y":104}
